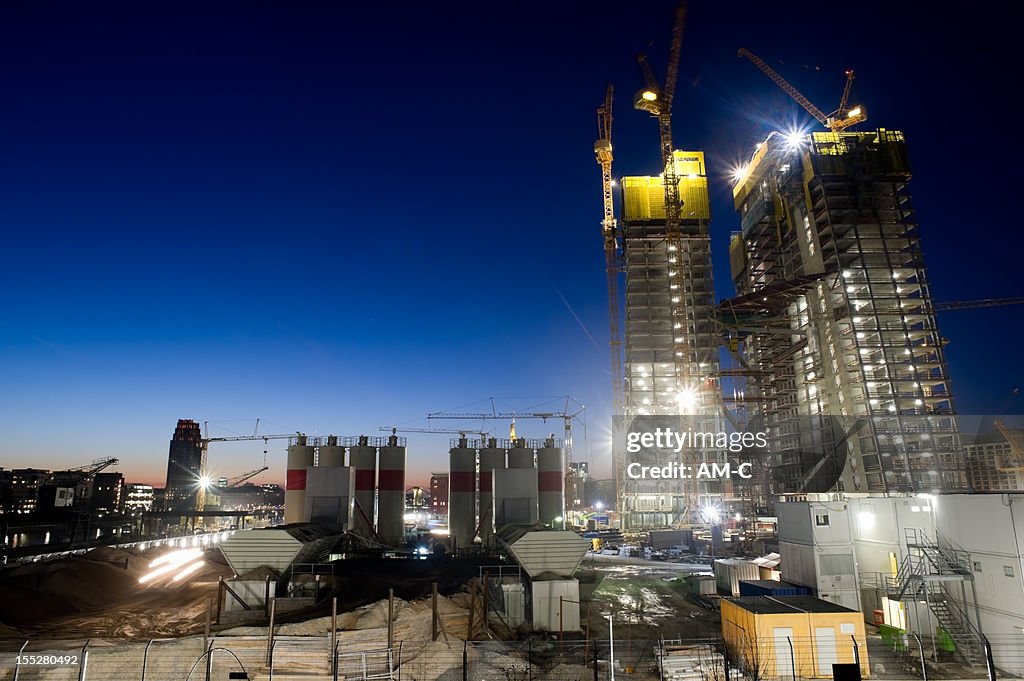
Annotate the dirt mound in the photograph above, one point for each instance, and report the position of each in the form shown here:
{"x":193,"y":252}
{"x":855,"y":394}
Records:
{"x":100,"y":594}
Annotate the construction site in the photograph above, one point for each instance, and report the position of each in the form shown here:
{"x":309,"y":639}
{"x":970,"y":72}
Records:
{"x":861,"y":531}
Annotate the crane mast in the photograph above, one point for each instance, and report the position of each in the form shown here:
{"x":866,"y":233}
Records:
{"x":603,"y":151}
{"x":657,"y":101}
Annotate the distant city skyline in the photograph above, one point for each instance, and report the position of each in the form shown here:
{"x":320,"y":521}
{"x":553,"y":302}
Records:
{"x":336,"y":218}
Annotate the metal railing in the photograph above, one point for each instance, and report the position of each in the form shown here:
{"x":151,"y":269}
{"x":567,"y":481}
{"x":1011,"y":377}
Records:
{"x":784,"y":658}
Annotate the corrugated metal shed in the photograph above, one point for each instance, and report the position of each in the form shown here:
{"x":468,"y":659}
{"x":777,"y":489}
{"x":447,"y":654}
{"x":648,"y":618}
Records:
{"x":729,"y":572}
{"x":278,"y":547}
{"x":551,"y":553}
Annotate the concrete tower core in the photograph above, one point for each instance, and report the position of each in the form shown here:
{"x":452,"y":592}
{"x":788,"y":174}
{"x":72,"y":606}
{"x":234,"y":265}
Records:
{"x":671,"y":343}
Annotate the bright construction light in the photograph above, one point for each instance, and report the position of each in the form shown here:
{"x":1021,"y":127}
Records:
{"x":711,"y":513}
{"x":176,"y":557}
{"x":205,"y":481}
{"x":599,"y":505}
{"x":739,"y":173}
{"x":651,"y":96}
{"x":686,"y":398}
{"x":794,"y":139}
{"x":188,"y":570}
{"x":174,"y":561}
{"x":855,"y":111}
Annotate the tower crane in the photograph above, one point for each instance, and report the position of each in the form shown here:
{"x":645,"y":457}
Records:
{"x":657,"y":101}
{"x":971,"y":304}
{"x":837,"y":121}
{"x":1016,"y":444}
{"x":603,"y":151}
{"x":204,"y":476}
{"x":568,"y":414}
{"x":84,"y":474}
{"x":462,"y":432}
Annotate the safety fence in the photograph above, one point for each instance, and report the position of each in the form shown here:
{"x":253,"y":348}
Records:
{"x":770,"y":656}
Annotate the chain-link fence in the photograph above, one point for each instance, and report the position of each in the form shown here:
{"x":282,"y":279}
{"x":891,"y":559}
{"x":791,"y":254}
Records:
{"x":770,"y":657}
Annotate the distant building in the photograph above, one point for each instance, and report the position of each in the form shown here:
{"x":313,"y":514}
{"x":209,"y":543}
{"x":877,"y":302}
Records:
{"x":184,"y":461}
{"x":107,"y":494}
{"x":5,"y":491}
{"x":990,"y":468}
{"x":439,"y":495}
{"x":273,"y":494}
{"x":599,"y":492}
{"x":138,"y":497}
{"x":242,"y":498}
{"x":24,"y":489}
{"x":245,"y":497}
{"x":575,"y":490}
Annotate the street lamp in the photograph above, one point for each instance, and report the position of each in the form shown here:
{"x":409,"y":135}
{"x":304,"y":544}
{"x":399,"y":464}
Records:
{"x":611,"y":645}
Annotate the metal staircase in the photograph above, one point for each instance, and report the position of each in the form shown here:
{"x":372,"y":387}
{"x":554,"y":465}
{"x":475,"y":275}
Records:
{"x":928,"y":572}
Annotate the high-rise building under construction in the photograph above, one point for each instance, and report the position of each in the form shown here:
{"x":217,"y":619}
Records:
{"x":184,"y":465}
{"x":839,"y":335}
{"x":671,"y":343}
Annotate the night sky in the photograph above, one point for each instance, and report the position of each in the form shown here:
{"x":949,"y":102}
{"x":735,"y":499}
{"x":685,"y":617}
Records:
{"x":339,"y":216}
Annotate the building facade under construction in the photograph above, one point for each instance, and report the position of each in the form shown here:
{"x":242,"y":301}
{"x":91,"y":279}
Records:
{"x":671,"y":342}
{"x":839,"y":336}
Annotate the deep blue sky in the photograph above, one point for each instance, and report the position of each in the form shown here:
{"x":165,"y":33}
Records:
{"x":338,"y":216}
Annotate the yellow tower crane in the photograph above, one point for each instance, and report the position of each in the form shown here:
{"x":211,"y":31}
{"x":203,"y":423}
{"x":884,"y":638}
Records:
{"x":603,"y":151}
{"x":657,"y":101}
{"x":837,"y":121}
{"x":1015,"y":460}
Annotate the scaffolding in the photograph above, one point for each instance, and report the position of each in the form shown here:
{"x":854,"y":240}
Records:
{"x":837,"y":318}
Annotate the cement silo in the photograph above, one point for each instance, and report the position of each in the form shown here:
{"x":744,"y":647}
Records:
{"x":363,"y":460}
{"x":491,"y":458}
{"x":515,"y":488}
{"x":551,"y":484}
{"x":519,"y":455}
{"x":462,"y":494}
{"x":391,"y":492}
{"x":329,"y":486}
{"x":331,"y":455}
{"x":300,"y":457}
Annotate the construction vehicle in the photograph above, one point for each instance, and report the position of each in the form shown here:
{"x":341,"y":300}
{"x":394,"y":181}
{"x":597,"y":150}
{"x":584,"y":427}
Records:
{"x":842,"y":118}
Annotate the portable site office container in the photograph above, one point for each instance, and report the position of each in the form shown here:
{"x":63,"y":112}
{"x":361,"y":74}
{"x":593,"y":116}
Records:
{"x":777,"y":637}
